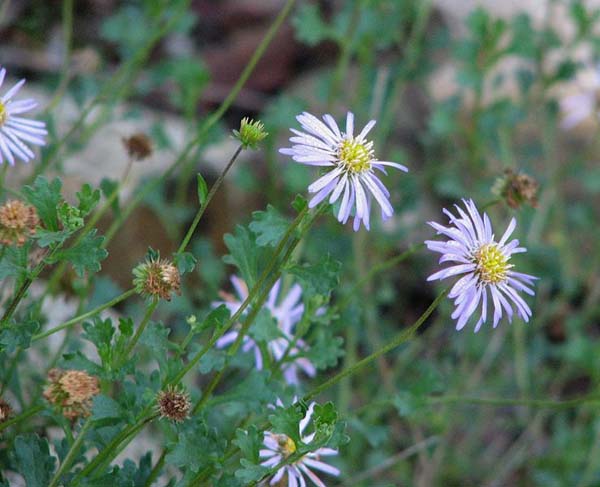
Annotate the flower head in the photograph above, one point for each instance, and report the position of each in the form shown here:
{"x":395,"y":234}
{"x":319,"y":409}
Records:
{"x":157,"y":278}
{"x":484,"y":265}
{"x":5,"y":410}
{"x":287,"y":312}
{"x":579,"y":107}
{"x":72,"y":391}
{"x":350,"y":164}
{"x":17,"y":222}
{"x":173,"y":404}
{"x":138,"y":146}
{"x":516,"y":189}
{"x":278,"y":447}
{"x":251,"y":133}
{"x":15,"y":130}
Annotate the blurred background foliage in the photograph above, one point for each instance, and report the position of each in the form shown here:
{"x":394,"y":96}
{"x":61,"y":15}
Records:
{"x":458,"y":100}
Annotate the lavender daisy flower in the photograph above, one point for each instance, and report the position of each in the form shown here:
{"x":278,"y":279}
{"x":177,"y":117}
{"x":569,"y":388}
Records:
{"x":278,"y":447}
{"x":350,"y":164}
{"x":15,"y":130}
{"x":287,"y":312}
{"x":583,"y":105}
{"x":484,"y":266}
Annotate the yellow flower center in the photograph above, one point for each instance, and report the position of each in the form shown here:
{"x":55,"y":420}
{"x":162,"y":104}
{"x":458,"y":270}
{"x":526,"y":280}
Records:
{"x":287,"y":445}
{"x":3,"y":114}
{"x":492,"y":264}
{"x":355,"y":156}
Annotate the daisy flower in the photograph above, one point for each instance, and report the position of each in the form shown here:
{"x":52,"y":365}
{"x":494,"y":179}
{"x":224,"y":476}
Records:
{"x":350,"y":166}
{"x":278,"y":447}
{"x":579,"y":107}
{"x":287,"y":312}
{"x":15,"y":130}
{"x":484,"y":265}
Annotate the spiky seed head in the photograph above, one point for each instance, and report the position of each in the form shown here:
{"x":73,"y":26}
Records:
{"x":18,"y":222}
{"x":5,"y":411}
{"x":173,"y":404}
{"x":157,"y":278}
{"x":516,"y":189}
{"x":71,"y":391}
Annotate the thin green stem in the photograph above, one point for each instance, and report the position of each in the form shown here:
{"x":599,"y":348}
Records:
{"x":206,"y":125}
{"x":209,"y":197}
{"x":67,"y":27}
{"x":139,"y":331}
{"x":84,"y":316}
{"x":400,"y":338}
{"x":501,"y":402}
{"x":72,"y":453}
{"x":156,"y":470}
{"x":32,"y":411}
{"x":376,"y":269}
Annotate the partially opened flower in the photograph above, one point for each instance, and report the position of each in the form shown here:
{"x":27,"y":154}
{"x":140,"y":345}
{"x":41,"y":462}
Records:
{"x":16,"y":130}
{"x":278,"y":447}
{"x":350,"y":165}
{"x":287,"y":312}
{"x":484,"y":266}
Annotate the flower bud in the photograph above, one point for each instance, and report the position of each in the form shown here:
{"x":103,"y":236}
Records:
{"x":17,"y":222}
{"x":516,"y":189}
{"x":138,"y":146}
{"x":157,"y":278}
{"x":72,"y":391}
{"x":5,"y":411}
{"x":173,"y":404}
{"x":251,"y":133}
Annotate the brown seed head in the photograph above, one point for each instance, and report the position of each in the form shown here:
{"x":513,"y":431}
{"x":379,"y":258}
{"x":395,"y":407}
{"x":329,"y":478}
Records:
{"x":157,"y":278}
{"x":517,"y":189}
{"x":138,"y":146}
{"x":17,"y":222}
{"x":5,"y":410}
{"x":173,"y":404}
{"x":72,"y":391}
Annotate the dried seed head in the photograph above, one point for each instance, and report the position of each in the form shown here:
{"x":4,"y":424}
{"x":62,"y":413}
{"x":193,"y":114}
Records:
{"x":17,"y":222}
{"x":72,"y":391}
{"x":251,"y":133}
{"x":516,"y":189}
{"x":138,"y":146}
{"x":5,"y":410}
{"x":157,"y":278}
{"x":173,"y":404}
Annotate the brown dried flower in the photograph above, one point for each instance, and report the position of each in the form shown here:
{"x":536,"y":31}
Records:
{"x":5,"y":410}
{"x":517,"y":189}
{"x":173,"y":404}
{"x":157,"y":278}
{"x":17,"y":222}
{"x":138,"y":146}
{"x":72,"y":391}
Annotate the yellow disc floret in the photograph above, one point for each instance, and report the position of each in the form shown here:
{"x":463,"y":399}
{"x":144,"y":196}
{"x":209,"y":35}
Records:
{"x":287,"y":445}
{"x":355,"y":155}
{"x":3,"y":113}
{"x":492,"y":264}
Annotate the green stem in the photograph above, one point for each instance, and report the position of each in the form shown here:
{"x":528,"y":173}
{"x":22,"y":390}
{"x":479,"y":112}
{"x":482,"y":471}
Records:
{"x":209,"y":197}
{"x":139,"y":331}
{"x":21,"y":417}
{"x":400,"y":338}
{"x":156,"y":470}
{"x":376,"y":269}
{"x":207,"y":125}
{"x":84,"y":316}
{"x":73,"y":451}
{"x":67,"y":27}
{"x":251,"y":295}
{"x":501,"y":402}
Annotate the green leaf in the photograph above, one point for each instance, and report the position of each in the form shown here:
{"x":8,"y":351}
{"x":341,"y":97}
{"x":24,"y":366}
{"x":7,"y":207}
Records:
{"x":88,"y":199}
{"x":46,"y":198}
{"x":33,"y":460}
{"x":45,"y":237}
{"x":106,"y":411}
{"x":265,"y":327}
{"x":249,"y":442}
{"x":108,"y":187}
{"x":300,"y":203}
{"x":309,"y":25}
{"x":14,"y":263}
{"x":250,"y":472}
{"x":269,"y":226}
{"x":84,"y":256}
{"x":287,"y":420}
{"x":202,"y":189}
{"x":244,"y":254}
{"x":196,"y":448}
{"x":212,"y":360}
{"x":185,"y":262}
{"x":320,"y":278}
{"x":18,"y":335}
